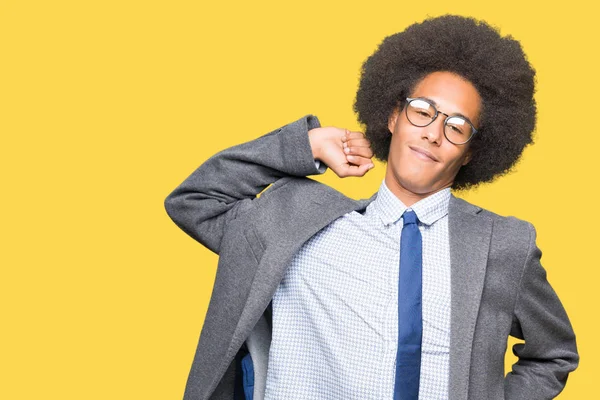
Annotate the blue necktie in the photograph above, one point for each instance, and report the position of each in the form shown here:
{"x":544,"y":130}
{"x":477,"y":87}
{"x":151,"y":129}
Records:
{"x":410,"y":324}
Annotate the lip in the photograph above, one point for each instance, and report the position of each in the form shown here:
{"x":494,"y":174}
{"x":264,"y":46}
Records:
{"x":424,"y":152}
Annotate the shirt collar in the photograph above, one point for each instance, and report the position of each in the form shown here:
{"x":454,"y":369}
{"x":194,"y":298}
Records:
{"x":389,"y":208}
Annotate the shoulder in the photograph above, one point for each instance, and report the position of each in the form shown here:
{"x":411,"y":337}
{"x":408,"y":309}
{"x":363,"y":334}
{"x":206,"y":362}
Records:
{"x":301,"y":187}
{"x":504,"y":227}
{"x":296,"y":198}
{"x":511,"y":239}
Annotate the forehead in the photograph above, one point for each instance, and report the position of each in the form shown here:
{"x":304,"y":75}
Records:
{"x":450,"y":93}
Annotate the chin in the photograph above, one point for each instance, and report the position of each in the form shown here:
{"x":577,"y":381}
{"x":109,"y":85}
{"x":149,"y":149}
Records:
{"x":415,"y":185}
{"x":421,"y":189}
{"x":414,"y":179}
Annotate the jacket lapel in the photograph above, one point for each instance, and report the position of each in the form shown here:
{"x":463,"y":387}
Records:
{"x":470,"y":235}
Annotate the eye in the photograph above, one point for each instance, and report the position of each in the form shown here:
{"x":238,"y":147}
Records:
{"x":455,"y":129}
{"x":458,"y":125}
{"x":422,"y":109}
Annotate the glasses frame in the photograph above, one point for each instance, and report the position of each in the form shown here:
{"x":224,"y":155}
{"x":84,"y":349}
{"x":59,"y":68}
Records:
{"x":438,"y":112}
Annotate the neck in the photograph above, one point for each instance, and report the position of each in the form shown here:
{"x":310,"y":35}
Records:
{"x":406,"y":196}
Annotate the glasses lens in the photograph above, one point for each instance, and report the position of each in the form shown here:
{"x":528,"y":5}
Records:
{"x":420,"y":112}
{"x":458,"y":130}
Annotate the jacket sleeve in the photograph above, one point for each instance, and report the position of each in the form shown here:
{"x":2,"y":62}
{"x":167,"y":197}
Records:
{"x":549,"y":352}
{"x":226,"y":184}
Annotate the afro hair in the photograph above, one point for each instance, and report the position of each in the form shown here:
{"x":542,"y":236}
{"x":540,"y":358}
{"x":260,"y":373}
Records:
{"x":495,"y":65}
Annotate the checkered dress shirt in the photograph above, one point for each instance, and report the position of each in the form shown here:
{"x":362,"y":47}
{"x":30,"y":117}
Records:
{"x":335,"y":312}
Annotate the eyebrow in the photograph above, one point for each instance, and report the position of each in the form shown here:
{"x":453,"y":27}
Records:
{"x":436,"y":105}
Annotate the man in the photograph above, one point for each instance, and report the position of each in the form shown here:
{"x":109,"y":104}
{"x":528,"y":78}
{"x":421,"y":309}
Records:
{"x":409,"y":294}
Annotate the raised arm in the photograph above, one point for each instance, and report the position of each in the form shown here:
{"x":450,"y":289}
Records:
{"x":226,"y":184}
{"x":549,"y":353}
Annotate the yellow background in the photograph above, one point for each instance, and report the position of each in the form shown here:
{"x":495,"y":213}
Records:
{"x":106,"y":106}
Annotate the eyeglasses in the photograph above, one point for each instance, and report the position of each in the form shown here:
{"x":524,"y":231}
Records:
{"x":420,"y":112}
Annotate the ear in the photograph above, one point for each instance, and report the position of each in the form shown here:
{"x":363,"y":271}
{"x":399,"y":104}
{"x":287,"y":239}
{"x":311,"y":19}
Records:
{"x":393,"y":120}
{"x":468,"y":157}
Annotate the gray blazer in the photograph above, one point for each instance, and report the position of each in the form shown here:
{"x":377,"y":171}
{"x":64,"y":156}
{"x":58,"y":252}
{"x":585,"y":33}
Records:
{"x":498,"y":287}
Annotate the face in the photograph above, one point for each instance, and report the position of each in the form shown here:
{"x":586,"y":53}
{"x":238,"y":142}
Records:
{"x":421,"y":160}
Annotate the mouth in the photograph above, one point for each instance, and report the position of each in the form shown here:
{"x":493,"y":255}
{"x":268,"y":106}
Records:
{"x":423,"y":154}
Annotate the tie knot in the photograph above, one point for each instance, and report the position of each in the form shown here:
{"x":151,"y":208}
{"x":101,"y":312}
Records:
{"x":409,"y":217}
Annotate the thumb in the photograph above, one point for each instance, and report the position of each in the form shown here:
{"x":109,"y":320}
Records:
{"x":359,"y":170}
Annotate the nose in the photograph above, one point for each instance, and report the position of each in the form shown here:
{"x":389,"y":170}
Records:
{"x":434,"y":132}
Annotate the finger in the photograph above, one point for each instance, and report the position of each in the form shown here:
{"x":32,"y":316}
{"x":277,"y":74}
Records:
{"x":352,"y":135}
{"x":359,"y":151}
{"x":355,"y":135}
{"x":357,"y":143}
{"x":357,"y":160}
{"x":358,"y":170}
